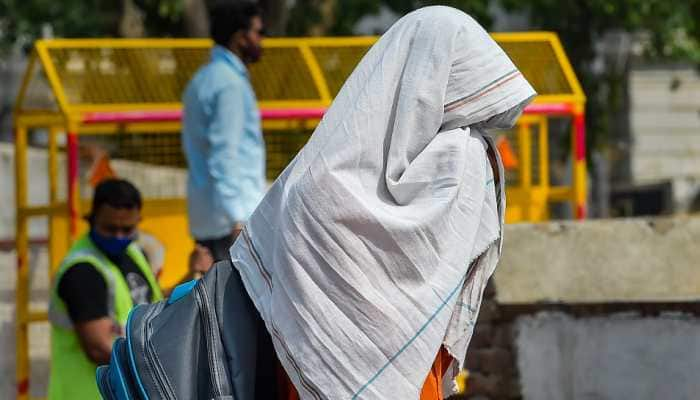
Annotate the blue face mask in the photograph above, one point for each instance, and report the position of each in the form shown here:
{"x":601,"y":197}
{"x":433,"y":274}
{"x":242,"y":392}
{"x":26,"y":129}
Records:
{"x":112,"y":246}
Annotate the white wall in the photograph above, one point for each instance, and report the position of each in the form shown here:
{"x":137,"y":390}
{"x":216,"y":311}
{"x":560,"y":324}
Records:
{"x":601,"y":261}
{"x":608,"y":358}
{"x":152,"y":181}
{"x":665,"y":128}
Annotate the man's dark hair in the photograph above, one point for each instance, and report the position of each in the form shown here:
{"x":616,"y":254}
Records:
{"x":117,"y":193}
{"x":227,"y":18}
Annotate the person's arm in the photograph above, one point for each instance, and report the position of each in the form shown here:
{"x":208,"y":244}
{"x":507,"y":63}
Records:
{"x":200,"y":261}
{"x":224,"y":135}
{"x":84,"y":292}
{"x":237,"y":228}
{"x":96,"y":339}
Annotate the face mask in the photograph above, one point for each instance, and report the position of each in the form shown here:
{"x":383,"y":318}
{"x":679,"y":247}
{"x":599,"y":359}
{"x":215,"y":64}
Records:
{"x":112,"y":246}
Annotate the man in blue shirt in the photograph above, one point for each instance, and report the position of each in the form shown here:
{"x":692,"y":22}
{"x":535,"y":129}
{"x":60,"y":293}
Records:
{"x":225,"y":152}
{"x":221,"y":135}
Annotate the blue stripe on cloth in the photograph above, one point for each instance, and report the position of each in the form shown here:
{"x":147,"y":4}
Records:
{"x":410,"y":341}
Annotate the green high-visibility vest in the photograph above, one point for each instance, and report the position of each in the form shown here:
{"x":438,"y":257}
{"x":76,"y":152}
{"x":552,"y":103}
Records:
{"x":72,"y":372}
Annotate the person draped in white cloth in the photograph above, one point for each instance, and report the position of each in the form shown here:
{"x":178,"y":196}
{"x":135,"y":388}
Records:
{"x":371,"y":251}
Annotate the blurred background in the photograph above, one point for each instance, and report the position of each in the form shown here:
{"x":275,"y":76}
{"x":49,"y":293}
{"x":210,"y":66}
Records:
{"x":636,"y":61}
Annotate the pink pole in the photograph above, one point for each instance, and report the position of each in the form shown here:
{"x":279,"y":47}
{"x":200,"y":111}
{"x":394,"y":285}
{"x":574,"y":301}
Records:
{"x":176,"y":115}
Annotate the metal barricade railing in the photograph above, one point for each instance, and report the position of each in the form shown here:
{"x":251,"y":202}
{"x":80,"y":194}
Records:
{"x":119,"y":100}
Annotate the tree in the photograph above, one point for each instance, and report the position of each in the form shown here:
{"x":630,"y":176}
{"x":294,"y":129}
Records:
{"x":165,"y":17}
{"x":22,"y":21}
{"x":190,"y":17}
{"x":339,"y":17}
{"x":672,"y":28}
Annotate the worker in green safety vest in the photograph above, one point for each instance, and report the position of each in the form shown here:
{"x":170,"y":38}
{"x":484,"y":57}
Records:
{"x":104,"y":275}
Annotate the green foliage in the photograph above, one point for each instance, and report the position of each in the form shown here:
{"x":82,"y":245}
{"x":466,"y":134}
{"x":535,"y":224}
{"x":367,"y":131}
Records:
{"x":22,"y":20}
{"x":479,"y":9}
{"x":162,"y":17}
{"x":672,"y":26}
{"x":302,"y":16}
{"x":347,"y":13}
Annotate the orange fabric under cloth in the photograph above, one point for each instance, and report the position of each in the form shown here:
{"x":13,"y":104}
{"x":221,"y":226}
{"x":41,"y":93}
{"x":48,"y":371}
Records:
{"x":432,"y":387}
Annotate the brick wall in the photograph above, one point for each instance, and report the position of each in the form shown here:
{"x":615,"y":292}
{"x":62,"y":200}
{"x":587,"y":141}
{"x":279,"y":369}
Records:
{"x":491,"y":359}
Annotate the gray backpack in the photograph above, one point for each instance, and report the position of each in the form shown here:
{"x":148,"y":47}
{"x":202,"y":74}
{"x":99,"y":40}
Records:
{"x":201,"y":343}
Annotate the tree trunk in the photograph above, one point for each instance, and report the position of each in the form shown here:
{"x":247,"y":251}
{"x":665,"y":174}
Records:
{"x":196,"y":18}
{"x":275,"y":16}
{"x":131,"y":22}
{"x":327,"y":11}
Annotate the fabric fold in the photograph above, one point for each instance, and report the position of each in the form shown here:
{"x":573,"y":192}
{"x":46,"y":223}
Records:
{"x":372,"y":249}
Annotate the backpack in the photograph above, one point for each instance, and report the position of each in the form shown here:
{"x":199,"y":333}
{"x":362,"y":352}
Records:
{"x":197,"y":344}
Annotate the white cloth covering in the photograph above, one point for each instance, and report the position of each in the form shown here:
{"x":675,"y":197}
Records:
{"x":357,"y":257}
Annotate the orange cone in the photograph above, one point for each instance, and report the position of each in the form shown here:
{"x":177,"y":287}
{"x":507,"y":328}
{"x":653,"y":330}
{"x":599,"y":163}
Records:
{"x":510,"y":160}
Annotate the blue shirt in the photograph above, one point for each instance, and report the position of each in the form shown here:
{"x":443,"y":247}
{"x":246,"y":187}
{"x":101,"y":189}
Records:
{"x":224,"y":147}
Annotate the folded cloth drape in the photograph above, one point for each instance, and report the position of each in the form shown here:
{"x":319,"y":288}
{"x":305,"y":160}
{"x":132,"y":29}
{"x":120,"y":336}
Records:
{"x":357,"y":258}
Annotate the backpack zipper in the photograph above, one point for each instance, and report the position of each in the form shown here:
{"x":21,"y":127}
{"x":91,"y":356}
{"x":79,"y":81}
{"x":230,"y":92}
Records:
{"x":210,"y":324}
{"x":154,"y":366}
